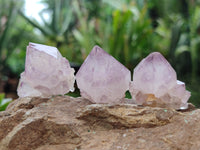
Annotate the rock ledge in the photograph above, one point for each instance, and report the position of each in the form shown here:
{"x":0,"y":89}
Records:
{"x":66,"y":123}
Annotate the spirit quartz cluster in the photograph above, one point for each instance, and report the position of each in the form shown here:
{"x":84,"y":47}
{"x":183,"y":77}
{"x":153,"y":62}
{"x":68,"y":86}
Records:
{"x":46,"y":72}
{"x":101,"y":78}
{"x":155,"y":84}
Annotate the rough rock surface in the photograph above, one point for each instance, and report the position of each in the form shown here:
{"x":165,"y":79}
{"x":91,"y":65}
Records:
{"x":65,"y":123}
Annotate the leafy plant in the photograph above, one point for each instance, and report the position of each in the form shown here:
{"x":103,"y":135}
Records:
{"x":56,"y":29}
{"x":14,"y":36}
{"x":4,"y":102}
{"x":121,"y":31}
{"x":7,"y":19}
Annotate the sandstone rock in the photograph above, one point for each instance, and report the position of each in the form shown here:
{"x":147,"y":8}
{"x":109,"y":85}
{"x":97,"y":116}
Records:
{"x":126,"y":115}
{"x":66,"y":123}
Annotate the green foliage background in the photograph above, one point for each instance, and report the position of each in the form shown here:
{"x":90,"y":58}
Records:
{"x":127,"y":29}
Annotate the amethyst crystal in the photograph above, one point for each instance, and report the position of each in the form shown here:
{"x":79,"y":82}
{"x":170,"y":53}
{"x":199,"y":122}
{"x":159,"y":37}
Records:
{"x":46,"y":72}
{"x":155,"y":83}
{"x":101,"y":78}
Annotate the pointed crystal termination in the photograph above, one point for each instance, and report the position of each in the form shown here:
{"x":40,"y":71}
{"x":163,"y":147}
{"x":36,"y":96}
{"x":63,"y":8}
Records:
{"x":155,"y":84}
{"x":46,"y":73}
{"x":101,"y":78}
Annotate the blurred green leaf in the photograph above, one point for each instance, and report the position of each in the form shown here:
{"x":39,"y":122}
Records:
{"x":2,"y":95}
{"x":181,"y":49}
{"x":4,"y":102}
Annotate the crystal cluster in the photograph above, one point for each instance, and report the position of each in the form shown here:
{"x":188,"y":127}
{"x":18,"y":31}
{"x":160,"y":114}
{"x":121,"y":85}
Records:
{"x":155,"y":84}
{"x":101,"y":78}
{"x":46,"y":72}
